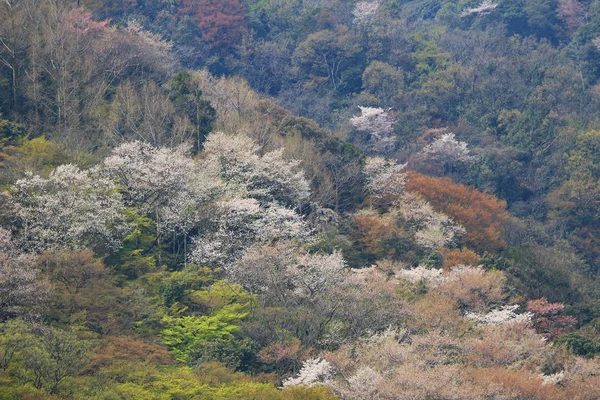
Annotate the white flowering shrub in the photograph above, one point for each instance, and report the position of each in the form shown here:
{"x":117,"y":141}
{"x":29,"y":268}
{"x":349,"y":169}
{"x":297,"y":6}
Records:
{"x":553,"y":379}
{"x":164,"y":183}
{"x":71,"y":208}
{"x":447,"y":152}
{"x":242,"y":223}
{"x":378,"y":125}
{"x":314,"y":371}
{"x":258,"y":206}
{"x":364,"y":11}
{"x":485,"y":7}
{"x":149,"y":176}
{"x":432,"y":277}
{"x":500,"y":316}
{"x":268,"y":178}
{"x":436,"y":277}
{"x":314,"y":273}
{"x":384,"y":177}
{"x":283,"y":273}
{"x":434,"y":230}
{"x":22,"y":292}
{"x":364,"y":384}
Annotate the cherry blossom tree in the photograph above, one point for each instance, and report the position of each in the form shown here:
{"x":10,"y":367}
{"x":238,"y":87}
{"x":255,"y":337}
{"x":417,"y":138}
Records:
{"x":239,"y":223}
{"x":485,"y":7}
{"x":149,"y":176}
{"x":364,"y":11}
{"x":71,"y":208}
{"x":385,"y":178}
{"x":164,"y":183}
{"x":283,"y":273}
{"x":446,"y":153}
{"x":314,"y":371}
{"x":22,"y":290}
{"x":500,"y":316}
{"x":268,"y":177}
{"x":259,"y":205}
{"x":434,"y":230}
{"x":375,"y":127}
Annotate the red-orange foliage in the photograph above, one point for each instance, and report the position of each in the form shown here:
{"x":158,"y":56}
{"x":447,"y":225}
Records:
{"x":284,"y":356}
{"x":462,"y":256}
{"x":547,"y":320}
{"x":376,"y":235}
{"x":220,"y":21}
{"x":482,"y":214}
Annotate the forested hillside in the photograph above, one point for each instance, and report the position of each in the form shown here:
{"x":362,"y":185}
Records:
{"x":300,"y":199}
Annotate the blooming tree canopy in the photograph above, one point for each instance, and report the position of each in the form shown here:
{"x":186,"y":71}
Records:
{"x":72,"y":208}
{"x":377,"y":124}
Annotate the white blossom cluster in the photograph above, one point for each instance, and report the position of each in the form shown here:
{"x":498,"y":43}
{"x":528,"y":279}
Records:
{"x":378,"y":124}
{"x":390,"y":333}
{"x":314,"y":371}
{"x":433,"y":229}
{"x":384,"y":177}
{"x":71,"y":208}
{"x":240,"y":224}
{"x":436,"y":277}
{"x":486,"y":6}
{"x":364,"y":384}
{"x":20,"y":287}
{"x":501,"y":316}
{"x":262,"y":192}
{"x":364,"y":11}
{"x":268,"y":178}
{"x":149,"y":176}
{"x":553,"y":379}
{"x":431,"y":276}
{"x":313,"y":273}
{"x":447,"y":150}
{"x":285,"y":273}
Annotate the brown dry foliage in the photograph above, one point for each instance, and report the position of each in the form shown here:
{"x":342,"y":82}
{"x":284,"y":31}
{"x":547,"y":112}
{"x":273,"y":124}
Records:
{"x":375,"y":233}
{"x":481,"y":214}
{"x":126,"y":349}
{"x":462,"y":256}
{"x":435,"y":311}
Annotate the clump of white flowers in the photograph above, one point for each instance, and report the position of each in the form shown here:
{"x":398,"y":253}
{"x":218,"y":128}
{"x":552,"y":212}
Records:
{"x":433,"y":229}
{"x":314,"y":371}
{"x":436,"y":277}
{"x":364,"y":384}
{"x":378,"y":124}
{"x":446,"y":150}
{"x":72,"y":208}
{"x":553,"y":379}
{"x":384,"y":177}
{"x":501,"y":316}
{"x":486,"y":7}
{"x":262,"y":198}
{"x":364,"y":11}
{"x":431,"y":276}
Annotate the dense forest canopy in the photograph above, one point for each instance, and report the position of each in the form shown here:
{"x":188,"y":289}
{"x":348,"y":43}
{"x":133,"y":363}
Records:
{"x":300,"y":199}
